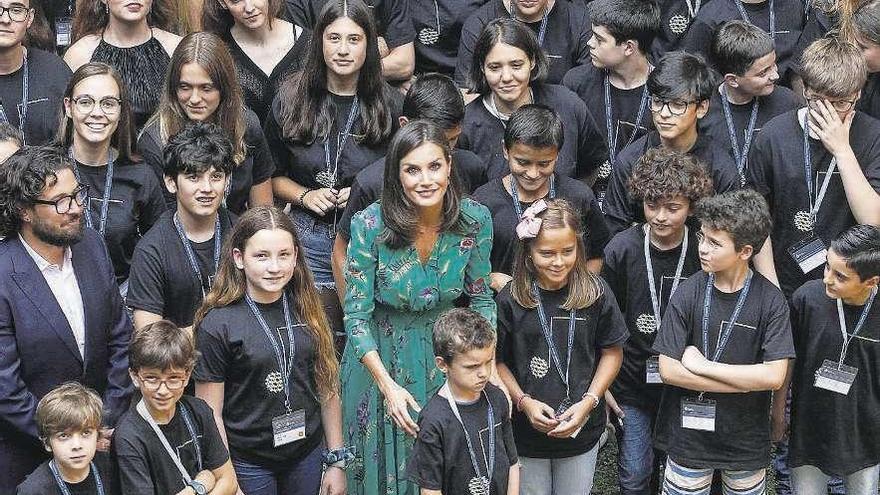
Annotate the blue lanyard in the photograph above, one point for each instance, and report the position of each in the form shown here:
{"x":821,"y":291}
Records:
{"x":847,"y":339}
{"x":515,"y":195}
{"x":548,"y":336}
{"x":24,"y":98}
{"x":187,"y":420}
{"x":542,"y":30}
{"x":490,"y":422}
{"x":725,"y":333}
{"x":332,"y":174}
{"x":652,"y":286}
{"x":191,"y":256}
{"x":609,"y":119}
{"x":105,"y":199}
{"x":808,"y":173}
{"x":62,"y":485}
{"x":739,"y":155}
{"x":745,"y":16}
{"x":285,"y":360}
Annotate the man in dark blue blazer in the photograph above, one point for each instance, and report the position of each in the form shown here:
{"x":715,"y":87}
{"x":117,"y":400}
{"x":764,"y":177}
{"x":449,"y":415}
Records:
{"x":61,"y":315}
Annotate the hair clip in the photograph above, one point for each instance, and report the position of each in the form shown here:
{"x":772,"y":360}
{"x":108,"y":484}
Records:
{"x":529,"y":224}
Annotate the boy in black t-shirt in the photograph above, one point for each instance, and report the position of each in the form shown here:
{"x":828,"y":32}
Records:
{"x":174,"y":264}
{"x":680,"y":88}
{"x":748,"y":96}
{"x":465,"y":442}
{"x":669,"y":184}
{"x":835,"y":392}
{"x":724,"y":344}
{"x":614,"y":85}
{"x":168,"y":443}
{"x":68,"y":420}
{"x":822,"y":177}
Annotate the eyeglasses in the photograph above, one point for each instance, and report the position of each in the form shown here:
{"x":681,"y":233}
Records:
{"x":109,"y":104}
{"x":65,"y":203}
{"x":152,"y":383}
{"x":676,"y":107}
{"x":17,"y":13}
{"x":838,"y":105}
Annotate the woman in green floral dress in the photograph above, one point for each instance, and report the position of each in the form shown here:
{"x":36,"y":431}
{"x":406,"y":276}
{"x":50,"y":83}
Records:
{"x":411,"y":255}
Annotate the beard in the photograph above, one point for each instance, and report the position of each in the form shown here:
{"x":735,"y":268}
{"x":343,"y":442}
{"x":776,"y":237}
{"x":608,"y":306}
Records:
{"x":56,"y":236}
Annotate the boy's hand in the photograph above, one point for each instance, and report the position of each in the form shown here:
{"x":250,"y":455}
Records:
{"x":542,"y":416}
{"x":104,"y":436}
{"x":573,"y":418}
{"x":693,"y":360}
{"x":834,"y":133}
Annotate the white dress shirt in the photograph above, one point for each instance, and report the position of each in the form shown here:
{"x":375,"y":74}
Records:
{"x":62,"y":282}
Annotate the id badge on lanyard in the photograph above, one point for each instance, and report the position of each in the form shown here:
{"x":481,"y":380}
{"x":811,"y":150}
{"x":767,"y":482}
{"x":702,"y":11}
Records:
{"x":288,"y":428}
{"x":809,"y":253}
{"x":652,"y":370}
{"x":835,"y":377}
{"x":698,"y":413}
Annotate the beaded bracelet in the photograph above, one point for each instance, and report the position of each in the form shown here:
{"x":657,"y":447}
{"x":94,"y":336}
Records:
{"x":302,"y":197}
{"x":520,"y":401}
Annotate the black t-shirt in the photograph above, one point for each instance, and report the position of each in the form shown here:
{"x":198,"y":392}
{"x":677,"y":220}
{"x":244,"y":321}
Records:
{"x":256,"y":168}
{"x":440,"y":459}
{"x":162,"y":280}
{"x":714,"y":124}
{"x":816,"y":26}
{"x":675,"y":20}
{"x":135,"y":204}
{"x":145,"y":466}
{"x":523,"y":348}
{"x":439,"y":55}
{"x":302,"y":162}
{"x":621,"y":210}
{"x":588,"y":82}
{"x":762,"y":333}
{"x":565,"y":38}
{"x":41,"y":481}
{"x":392,"y":18}
{"x":258,"y":89}
{"x":369,"y":182}
{"x":236,"y":351}
{"x":47,"y":80}
{"x":836,"y":433}
{"x":582,"y":151}
{"x":626,"y":273}
{"x":776,"y":170}
{"x":789,"y":23}
{"x":870,"y":100}
{"x":504,"y":219}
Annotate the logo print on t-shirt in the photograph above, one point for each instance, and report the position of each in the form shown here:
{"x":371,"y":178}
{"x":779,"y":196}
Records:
{"x":605,"y":170}
{"x":274,"y":382}
{"x":678,"y":24}
{"x":646,"y":323}
{"x":539,"y":367}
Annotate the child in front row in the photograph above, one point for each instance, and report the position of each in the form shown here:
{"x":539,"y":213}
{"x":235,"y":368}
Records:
{"x":169,"y":444}
{"x":465,"y":442}
{"x":644,"y":265}
{"x":68,"y":420}
{"x":560,"y":338}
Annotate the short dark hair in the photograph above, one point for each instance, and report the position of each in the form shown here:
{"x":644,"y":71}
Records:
{"x":9,"y":132}
{"x":743,"y":214}
{"x":860,"y":247}
{"x":534,"y":125}
{"x":196,"y":148}
{"x":434,"y":97}
{"x":682,"y":75}
{"x":510,"y":32}
{"x":162,"y":345}
{"x":460,"y":330}
{"x":866,"y":21}
{"x":736,"y":45}
{"x":637,"y":20}
{"x":23,"y":176}
{"x":665,"y":173}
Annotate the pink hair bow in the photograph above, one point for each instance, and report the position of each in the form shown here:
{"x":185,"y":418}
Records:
{"x":530,"y":224}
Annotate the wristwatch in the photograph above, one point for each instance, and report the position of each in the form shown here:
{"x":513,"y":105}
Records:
{"x":338,"y":457}
{"x":198,"y":487}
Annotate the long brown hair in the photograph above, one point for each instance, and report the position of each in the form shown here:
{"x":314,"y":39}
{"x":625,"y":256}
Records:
{"x":229,"y":288}
{"x":211,"y":54}
{"x":92,"y":16}
{"x":217,"y":19}
{"x":124,"y":136}
{"x":584,"y":288}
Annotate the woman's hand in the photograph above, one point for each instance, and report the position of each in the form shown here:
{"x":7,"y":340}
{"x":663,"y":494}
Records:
{"x":397,"y":403}
{"x":333,"y":482}
{"x":320,"y":201}
{"x":542,"y":416}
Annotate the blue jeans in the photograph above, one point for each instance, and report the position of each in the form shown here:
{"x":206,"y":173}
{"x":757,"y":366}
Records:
{"x":564,"y":476}
{"x":810,"y":480}
{"x":635,"y":458}
{"x":303,"y":478}
{"x":316,"y":238}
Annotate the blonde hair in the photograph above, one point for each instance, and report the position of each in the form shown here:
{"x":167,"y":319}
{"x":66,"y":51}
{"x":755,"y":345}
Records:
{"x":833,"y":67}
{"x":584,"y":288}
{"x":68,"y":407}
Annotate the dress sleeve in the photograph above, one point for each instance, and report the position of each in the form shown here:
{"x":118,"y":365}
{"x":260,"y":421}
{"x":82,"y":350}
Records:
{"x":360,"y":280}
{"x":476,"y":276}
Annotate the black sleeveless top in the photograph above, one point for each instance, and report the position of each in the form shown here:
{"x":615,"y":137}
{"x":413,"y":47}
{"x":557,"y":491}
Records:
{"x":142,"y":68}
